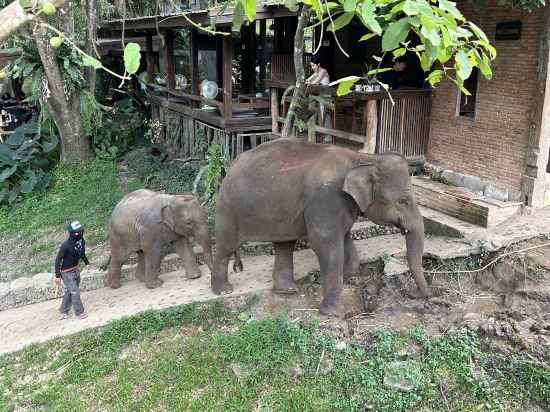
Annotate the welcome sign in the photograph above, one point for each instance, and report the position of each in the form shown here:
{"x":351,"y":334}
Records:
{"x":508,"y":31}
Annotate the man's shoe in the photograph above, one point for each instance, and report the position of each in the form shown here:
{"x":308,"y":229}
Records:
{"x":83,"y":315}
{"x":65,"y":315}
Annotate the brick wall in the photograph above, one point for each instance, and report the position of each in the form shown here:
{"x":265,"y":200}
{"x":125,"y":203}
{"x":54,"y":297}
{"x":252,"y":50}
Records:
{"x":493,"y":145}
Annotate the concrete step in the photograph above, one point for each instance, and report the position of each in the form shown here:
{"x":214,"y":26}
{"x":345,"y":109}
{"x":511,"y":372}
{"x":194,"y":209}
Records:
{"x":463,"y":204}
{"x":439,"y":224}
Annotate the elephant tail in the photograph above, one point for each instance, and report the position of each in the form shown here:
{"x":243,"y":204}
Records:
{"x":238,"y":264}
{"x":105,"y":264}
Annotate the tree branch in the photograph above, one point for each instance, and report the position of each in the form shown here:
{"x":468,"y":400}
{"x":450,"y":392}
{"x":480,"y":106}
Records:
{"x":298,"y":68}
{"x":13,"y":16}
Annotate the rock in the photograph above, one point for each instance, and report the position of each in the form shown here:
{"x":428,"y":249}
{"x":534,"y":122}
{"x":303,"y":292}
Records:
{"x":43,"y":277}
{"x":4,"y":288}
{"x":394,"y":267}
{"x":469,"y":317}
{"x":341,"y":345}
{"x":21,"y":282}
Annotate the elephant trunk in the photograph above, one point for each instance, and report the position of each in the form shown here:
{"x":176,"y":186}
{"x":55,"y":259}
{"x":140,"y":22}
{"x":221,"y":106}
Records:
{"x":206,"y":242}
{"x":415,"y":250}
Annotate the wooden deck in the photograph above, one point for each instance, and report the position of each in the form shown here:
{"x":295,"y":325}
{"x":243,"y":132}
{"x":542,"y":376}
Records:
{"x":367,"y":118}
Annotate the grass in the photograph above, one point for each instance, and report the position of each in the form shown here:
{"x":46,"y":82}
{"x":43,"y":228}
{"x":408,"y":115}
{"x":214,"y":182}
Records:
{"x":215,"y":357}
{"x":80,"y":191}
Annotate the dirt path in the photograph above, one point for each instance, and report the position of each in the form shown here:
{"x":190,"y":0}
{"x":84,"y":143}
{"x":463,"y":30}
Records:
{"x":39,"y":322}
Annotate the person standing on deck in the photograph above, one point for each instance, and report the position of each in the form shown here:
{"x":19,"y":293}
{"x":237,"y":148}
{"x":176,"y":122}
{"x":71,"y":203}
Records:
{"x":66,"y":268}
{"x":320,"y":77}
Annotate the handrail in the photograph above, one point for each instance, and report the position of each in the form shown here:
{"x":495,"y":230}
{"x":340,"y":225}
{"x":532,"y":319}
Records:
{"x":331,"y":91}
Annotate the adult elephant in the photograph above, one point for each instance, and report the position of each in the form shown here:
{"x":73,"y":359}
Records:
{"x":143,"y":221}
{"x":287,"y":190}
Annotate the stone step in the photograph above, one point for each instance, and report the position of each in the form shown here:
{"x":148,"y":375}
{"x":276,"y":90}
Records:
{"x":439,"y":224}
{"x":463,"y":204}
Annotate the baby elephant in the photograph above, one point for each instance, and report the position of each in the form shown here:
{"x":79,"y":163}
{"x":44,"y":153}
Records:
{"x":143,"y":221}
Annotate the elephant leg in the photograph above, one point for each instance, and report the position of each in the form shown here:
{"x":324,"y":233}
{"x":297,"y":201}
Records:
{"x":227,"y":243}
{"x":184,"y":249}
{"x":283,"y":270}
{"x":219,"y":280}
{"x":140,"y":271}
{"x":351,"y":257}
{"x":153,"y":256}
{"x":119,"y":256}
{"x":327,"y":242}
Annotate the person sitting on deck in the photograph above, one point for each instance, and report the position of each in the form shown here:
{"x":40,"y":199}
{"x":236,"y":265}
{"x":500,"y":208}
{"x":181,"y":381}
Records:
{"x":7,"y":121}
{"x":320,"y":77}
{"x":393,"y":77}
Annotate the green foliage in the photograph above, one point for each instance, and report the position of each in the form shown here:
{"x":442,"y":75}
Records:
{"x":216,"y":357}
{"x":172,"y":177}
{"x":84,"y":191}
{"x":211,"y":173}
{"x":132,"y":57}
{"x":25,"y":158}
{"x":110,"y":129}
{"x":29,"y":65}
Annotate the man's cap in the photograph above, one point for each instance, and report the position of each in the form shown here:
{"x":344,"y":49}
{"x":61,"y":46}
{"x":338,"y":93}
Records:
{"x":75,"y":226}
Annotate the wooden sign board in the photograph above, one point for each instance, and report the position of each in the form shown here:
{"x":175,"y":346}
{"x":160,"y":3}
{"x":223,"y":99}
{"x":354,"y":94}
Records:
{"x":508,"y":31}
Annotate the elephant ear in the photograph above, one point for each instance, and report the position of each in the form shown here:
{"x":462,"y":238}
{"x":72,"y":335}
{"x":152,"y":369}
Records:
{"x":359,"y":184}
{"x":168,"y":217}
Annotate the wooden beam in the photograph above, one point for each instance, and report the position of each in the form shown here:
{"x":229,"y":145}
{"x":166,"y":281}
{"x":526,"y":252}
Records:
{"x":262,"y":55}
{"x":194,"y":63}
{"x":219,"y":60}
{"x":274,"y":110}
{"x":169,"y":60}
{"x":227,"y":43}
{"x":252,"y":57}
{"x":149,"y":56}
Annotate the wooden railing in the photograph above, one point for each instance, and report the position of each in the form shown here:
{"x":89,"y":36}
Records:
{"x":282,"y":66}
{"x":366,"y":118}
{"x":194,"y":101}
{"x":404,"y":127}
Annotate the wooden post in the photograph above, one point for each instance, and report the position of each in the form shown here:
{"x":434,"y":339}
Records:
{"x":227,"y":43}
{"x":169,"y":60}
{"x":311,"y":135}
{"x":149,"y":56}
{"x":262,"y":55}
{"x":219,"y":60}
{"x":251,"y":53}
{"x":372,"y":126}
{"x":274,"y":110}
{"x":194,"y":63}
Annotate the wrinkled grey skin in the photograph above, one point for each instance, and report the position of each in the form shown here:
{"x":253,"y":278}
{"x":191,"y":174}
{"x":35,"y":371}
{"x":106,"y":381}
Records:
{"x":287,"y":190}
{"x":143,"y":221}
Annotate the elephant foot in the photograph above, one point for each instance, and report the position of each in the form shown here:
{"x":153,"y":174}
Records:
{"x":284,"y":286}
{"x":193,"y":275}
{"x":351,"y":268}
{"x":417,"y":293}
{"x":237,"y":265}
{"x":153,"y":284}
{"x":221,"y":287}
{"x":336,"y":309}
{"x":113,"y":284}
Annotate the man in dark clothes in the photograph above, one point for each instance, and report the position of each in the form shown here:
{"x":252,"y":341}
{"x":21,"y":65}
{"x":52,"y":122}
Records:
{"x":393,"y":77}
{"x":66,"y":268}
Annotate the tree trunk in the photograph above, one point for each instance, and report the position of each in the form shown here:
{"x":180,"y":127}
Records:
{"x":91,"y":36}
{"x":13,"y":16}
{"x":64,"y":108}
{"x":298,"y":93}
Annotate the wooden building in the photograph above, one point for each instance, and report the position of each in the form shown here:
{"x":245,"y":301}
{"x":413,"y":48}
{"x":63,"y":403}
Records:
{"x":495,"y":144}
